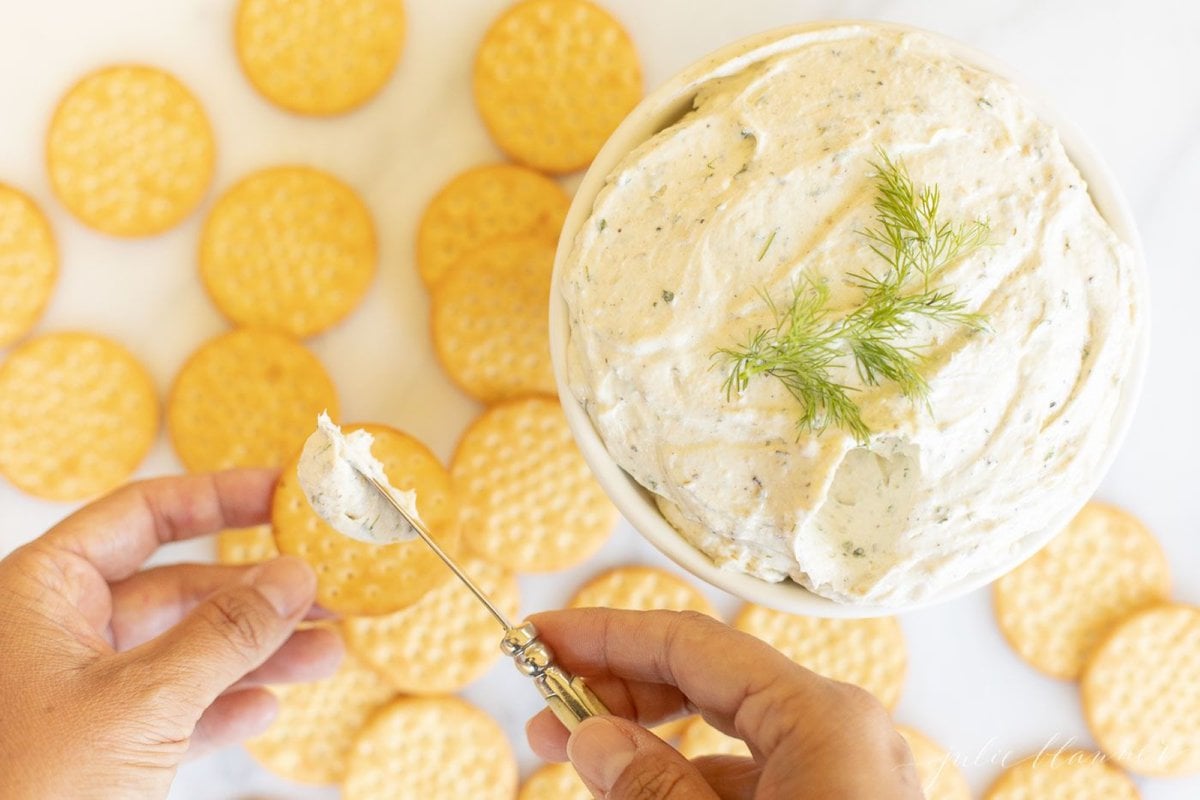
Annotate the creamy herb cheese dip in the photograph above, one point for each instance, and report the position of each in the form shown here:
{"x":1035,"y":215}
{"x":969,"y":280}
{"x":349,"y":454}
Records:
{"x":766,"y":182}
{"x":331,"y":471}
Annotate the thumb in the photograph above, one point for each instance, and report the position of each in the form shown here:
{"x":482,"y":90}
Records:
{"x":619,"y":760}
{"x":232,"y":632}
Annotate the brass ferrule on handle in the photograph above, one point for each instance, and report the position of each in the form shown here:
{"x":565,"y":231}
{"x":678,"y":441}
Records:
{"x":568,"y":697}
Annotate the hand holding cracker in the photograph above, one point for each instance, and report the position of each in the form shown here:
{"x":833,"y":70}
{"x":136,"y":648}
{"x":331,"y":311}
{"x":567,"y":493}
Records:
{"x":809,"y":736}
{"x":112,"y":675}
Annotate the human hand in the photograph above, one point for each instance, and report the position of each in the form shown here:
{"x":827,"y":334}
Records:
{"x":109,"y":676}
{"x":810,"y":737}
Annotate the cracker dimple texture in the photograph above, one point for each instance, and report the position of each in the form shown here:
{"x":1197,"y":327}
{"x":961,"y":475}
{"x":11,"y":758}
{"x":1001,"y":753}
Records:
{"x":288,"y":248}
{"x":1054,"y":608}
{"x":554,"y":782}
{"x":490,"y":325}
{"x":483,"y":205}
{"x":1141,"y":692}
{"x":431,"y":749}
{"x":529,"y":500}
{"x":78,"y":413}
{"x":28,"y":264}
{"x":636,"y":588}
{"x":319,"y":57}
{"x":356,"y":577}
{"x":940,"y":777}
{"x":247,"y":398}
{"x":310,"y":740}
{"x":445,"y":640}
{"x":130,"y":151}
{"x":553,"y":79}
{"x":869,"y":653}
{"x":253,"y":545}
{"x":1070,"y":775}
{"x":701,"y":739}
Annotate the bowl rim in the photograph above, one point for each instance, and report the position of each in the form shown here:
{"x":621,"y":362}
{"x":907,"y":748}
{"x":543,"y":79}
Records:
{"x":661,"y":107}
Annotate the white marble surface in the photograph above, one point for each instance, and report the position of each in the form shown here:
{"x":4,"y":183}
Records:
{"x":1127,"y":72}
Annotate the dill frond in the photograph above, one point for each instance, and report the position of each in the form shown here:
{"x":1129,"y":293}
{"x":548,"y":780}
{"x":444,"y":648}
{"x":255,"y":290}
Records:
{"x":799,"y":350}
{"x":805,"y":342}
{"x":908,"y":235}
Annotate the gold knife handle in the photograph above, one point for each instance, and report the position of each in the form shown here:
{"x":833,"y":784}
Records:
{"x":568,"y":697}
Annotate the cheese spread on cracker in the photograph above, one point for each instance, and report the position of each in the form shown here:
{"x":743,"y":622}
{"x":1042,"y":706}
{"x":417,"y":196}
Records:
{"x":333,"y":472}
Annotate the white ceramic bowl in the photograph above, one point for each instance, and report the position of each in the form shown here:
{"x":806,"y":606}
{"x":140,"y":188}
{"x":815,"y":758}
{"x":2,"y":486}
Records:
{"x":662,"y":108}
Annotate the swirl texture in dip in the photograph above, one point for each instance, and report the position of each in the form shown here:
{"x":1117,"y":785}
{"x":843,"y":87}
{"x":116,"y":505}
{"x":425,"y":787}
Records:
{"x":767,"y":182}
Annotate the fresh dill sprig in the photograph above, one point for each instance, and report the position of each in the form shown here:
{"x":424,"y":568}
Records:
{"x":806,"y":341}
{"x":909,"y":237}
{"x":799,"y":350}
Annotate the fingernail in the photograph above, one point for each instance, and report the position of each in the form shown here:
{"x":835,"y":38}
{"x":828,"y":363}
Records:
{"x":600,"y":751}
{"x":287,"y":583}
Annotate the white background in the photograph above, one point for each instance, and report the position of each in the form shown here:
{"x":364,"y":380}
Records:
{"x":1127,"y":72}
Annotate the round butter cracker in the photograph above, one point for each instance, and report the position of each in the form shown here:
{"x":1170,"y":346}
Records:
{"x":130,"y":150}
{"x":1054,"y":608}
{"x":442,"y":642}
{"x":369,"y":579}
{"x":701,"y":739}
{"x":490,"y":320}
{"x":869,"y":653}
{"x":554,"y":782}
{"x":28,"y":264}
{"x":637,"y":588}
{"x":253,"y":545}
{"x":494,"y":201}
{"x":78,"y":413}
{"x":319,"y":57}
{"x":940,"y":777}
{"x":1067,"y":775}
{"x":553,"y":79}
{"x":529,"y":501}
{"x":246,"y":398}
{"x":288,"y":248}
{"x":431,"y":748}
{"x":1141,"y":692}
{"x":310,"y":740}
